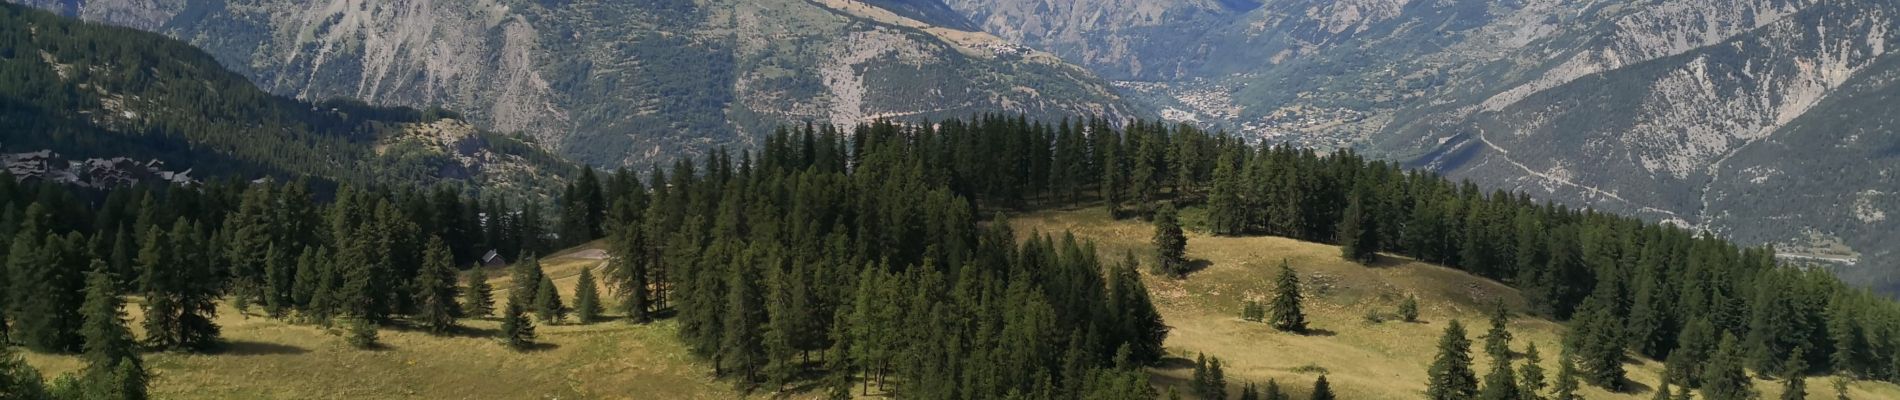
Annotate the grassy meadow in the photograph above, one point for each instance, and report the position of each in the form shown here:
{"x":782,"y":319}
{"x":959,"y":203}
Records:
{"x":271,"y":359}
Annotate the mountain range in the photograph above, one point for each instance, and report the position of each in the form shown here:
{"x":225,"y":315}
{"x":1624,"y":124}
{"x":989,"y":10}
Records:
{"x":1759,"y":120}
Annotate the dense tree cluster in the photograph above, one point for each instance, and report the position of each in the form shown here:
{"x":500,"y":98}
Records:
{"x":1628,"y":286}
{"x":859,"y":258}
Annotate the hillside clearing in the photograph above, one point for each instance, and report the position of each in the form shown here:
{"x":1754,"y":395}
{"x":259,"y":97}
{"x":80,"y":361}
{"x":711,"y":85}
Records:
{"x":1363,"y":360}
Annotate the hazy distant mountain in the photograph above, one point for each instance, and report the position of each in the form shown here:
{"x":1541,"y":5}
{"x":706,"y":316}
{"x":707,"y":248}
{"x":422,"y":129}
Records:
{"x":1757,"y":119}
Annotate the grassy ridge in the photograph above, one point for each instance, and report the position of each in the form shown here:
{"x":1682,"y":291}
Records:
{"x":1363,"y":360}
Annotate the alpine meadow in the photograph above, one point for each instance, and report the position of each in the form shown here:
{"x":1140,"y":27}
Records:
{"x":948,"y":199}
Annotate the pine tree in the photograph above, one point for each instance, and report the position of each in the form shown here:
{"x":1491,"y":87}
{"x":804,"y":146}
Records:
{"x":479,"y":299}
{"x":1794,"y":376}
{"x":1253,"y":311}
{"x":547,"y":302}
{"x":1531,"y":375}
{"x":1287,"y":313}
{"x":1273,"y":391}
{"x":436,"y":285}
{"x":586,"y":298}
{"x":516,"y":329}
{"x":1216,"y":380}
{"x":1358,"y":238}
{"x":1451,"y":374}
{"x":1200,"y":383}
{"x":1501,"y":383}
{"x":362,"y":333}
{"x":1225,"y":213}
{"x":1322,"y":390}
{"x":107,"y":340}
{"x":741,"y":344}
{"x":1170,"y":244}
{"x":179,"y":293}
{"x":526,"y":275}
{"x":627,"y":269}
{"x":1408,"y":309}
{"x":1567,"y":381}
{"x":1723,"y":378}
{"x":1497,"y":341}
{"x":18,"y":380}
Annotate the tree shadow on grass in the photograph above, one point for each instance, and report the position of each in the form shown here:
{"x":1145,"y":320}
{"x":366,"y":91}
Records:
{"x":1316,"y":332}
{"x":1198,"y":264}
{"x":536,"y":347}
{"x":1172,"y":362}
{"x":250,"y":348}
{"x":1633,"y":387}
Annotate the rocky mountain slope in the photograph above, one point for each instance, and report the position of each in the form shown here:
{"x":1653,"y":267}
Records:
{"x":613,"y":82}
{"x":95,"y":105}
{"x":1754,"y":119}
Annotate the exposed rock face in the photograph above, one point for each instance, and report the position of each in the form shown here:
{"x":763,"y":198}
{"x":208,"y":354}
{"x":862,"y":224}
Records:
{"x":615,"y":83}
{"x":1692,"y":111}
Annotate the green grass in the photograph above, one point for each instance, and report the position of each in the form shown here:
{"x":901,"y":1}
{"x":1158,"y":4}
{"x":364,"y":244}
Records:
{"x":1364,"y":360}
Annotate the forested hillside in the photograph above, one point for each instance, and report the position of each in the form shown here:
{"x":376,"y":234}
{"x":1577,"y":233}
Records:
{"x":87,"y":90}
{"x":844,"y":263}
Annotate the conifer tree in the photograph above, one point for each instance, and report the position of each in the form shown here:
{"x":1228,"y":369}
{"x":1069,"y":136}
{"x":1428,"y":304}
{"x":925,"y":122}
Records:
{"x":526,"y":275}
{"x":1201,"y":378}
{"x":479,"y":299}
{"x":113,"y":368}
{"x":547,"y":302}
{"x":45,"y":298}
{"x":1216,"y":380}
{"x":741,"y":344}
{"x":1253,"y":311}
{"x":516,"y":329}
{"x":1794,"y":376}
{"x":1497,"y":341}
{"x":1531,"y":375}
{"x":627,"y":267}
{"x":18,"y":380}
{"x":1408,"y":309}
{"x":1225,"y":213}
{"x":436,"y":285}
{"x":1273,"y":391}
{"x":1567,"y":380}
{"x":1322,"y":390}
{"x":362,"y":333}
{"x":586,"y":298}
{"x":1724,"y":378}
{"x":1287,"y":313}
{"x":179,"y":291}
{"x":1358,"y":238}
{"x":1451,"y":374}
{"x":1170,"y":244}
{"x":107,"y":340}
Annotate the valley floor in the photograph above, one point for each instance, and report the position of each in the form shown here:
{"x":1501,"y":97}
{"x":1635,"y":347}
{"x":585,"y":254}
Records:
{"x":271,"y":359}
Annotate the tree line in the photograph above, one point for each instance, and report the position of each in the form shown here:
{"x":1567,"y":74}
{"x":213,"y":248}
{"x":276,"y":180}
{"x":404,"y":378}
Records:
{"x":860,"y":258}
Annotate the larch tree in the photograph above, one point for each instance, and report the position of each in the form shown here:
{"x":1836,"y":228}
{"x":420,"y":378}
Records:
{"x":1724,"y":376}
{"x":1323,"y":390}
{"x":1451,"y":374}
{"x":1794,"y":376}
{"x":1288,"y":315}
{"x":1170,"y":244}
{"x":587,"y":307}
{"x":435,"y":283}
{"x":1530,"y":378}
{"x":547,"y":302}
{"x":479,"y":299}
{"x":517,"y":331}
